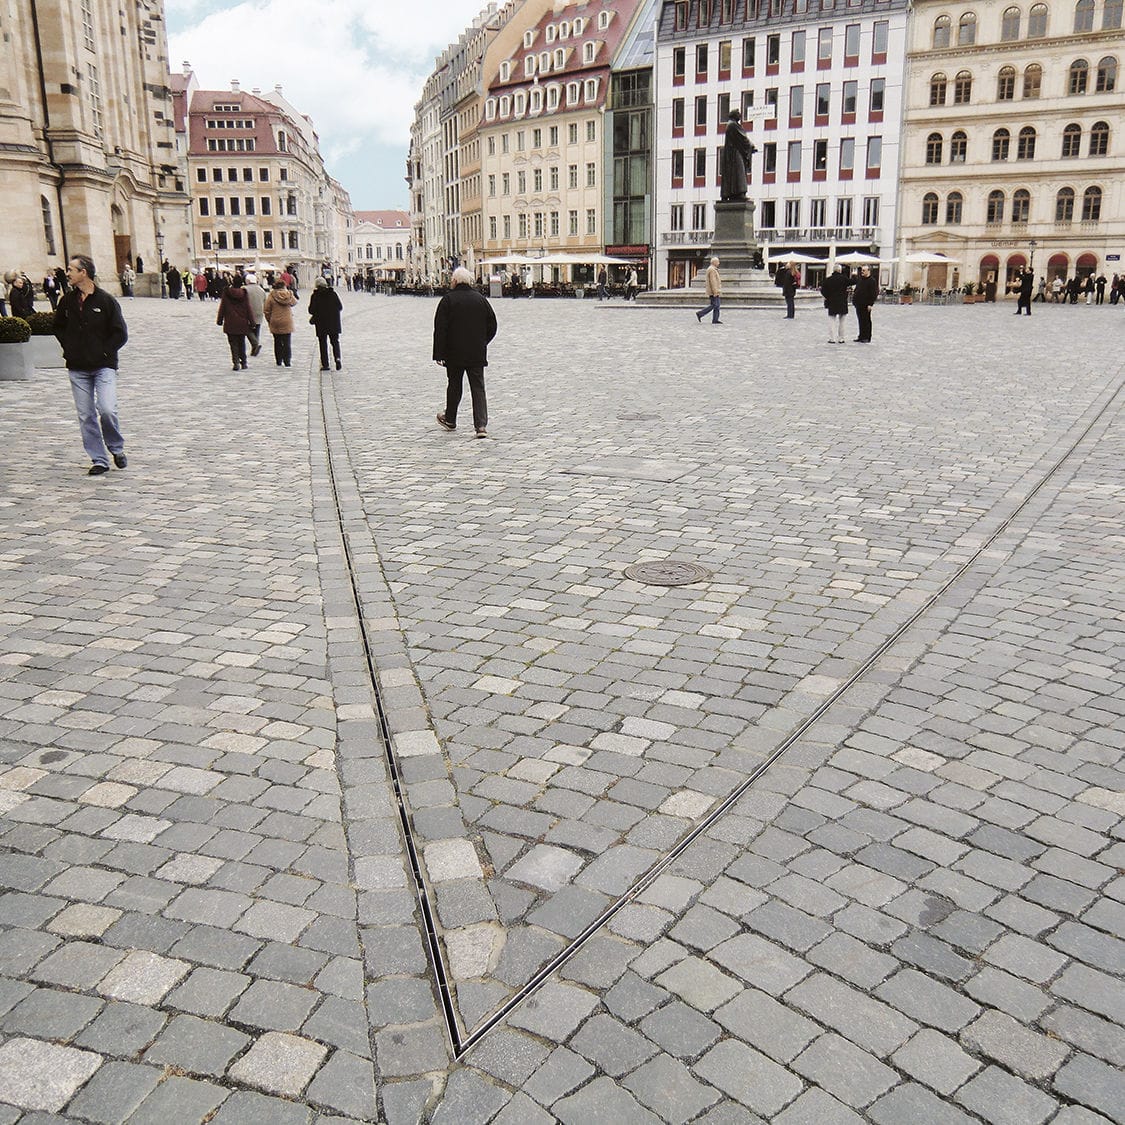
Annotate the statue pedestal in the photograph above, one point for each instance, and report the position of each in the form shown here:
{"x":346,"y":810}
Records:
{"x":734,"y":243}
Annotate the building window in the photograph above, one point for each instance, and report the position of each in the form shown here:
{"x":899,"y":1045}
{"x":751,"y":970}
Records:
{"x":874,"y":153}
{"x":1092,"y":204}
{"x":699,"y":216}
{"x":251,"y":240}
{"x":700,"y":163}
{"x":771,"y":101}
{"x":1006,"y":84}
{"x":677,"y":113}
{"x":507,"y":226}
{"x":880,"y":35}
{"x":1099,"y":139}
{"x":1064,"y":205}
{"x":1001,"y":141}
{"x":1084,"y":15}
{"x":934,"y":148}
{"x":796,"y":103}
{"x":263,"y":175}
{"x":700,"y":60}
{"x":1111,"y":15}
{"x":878,"y":93}
{"x":954,"y":205}
{"x":847,"y":154}
{"x":723,"y":113}
{"x":824,"y":46}
{"x":1078,"y":77}
{"x":206,"y":240}
{"x":222,"y":240}
{"x":794,"y":158}
{"x":1025,"y":145}
{"x":554,"y":227}
{"x":796,"y":49}
{"x":1021,"y":206}
{"x":1072,"y":141}
{"x":851,"y":41}
{"x":871,"y":211}
{"x":850,"y":97}
{"x":724,"y":56}
{"x":938,"y":86}
{"x":88,"y":25}
{"x":747,"y":102}
{"x":1010,"y":24}
{"x":823,"y":99}
{"x":572,"y":175}
{"x":773,"y":50}
{"x":1037,"y":21}
{"x":1032,"y":80}
{"x":1105,"y":80}
{"x":267,"y":240}
{"x":522,"y":225}
{"x":679,"y":64}
{"x":844,"y":212}
{"x":994,"y":212}
{"x":769,"y":158}
{"x":591,"y":174}
{"x":820,"y":156}
{"x":236,"y":240}
{"x":591,"y":221}
{"x":95,"y":88}
{"x":748,"y":54}
{"x":962,"y":88}
{"x":48,"y":224}
{"x":677,"y":217}
{"x":554,"y":177}
{"x":818,"y":212}
{"x":769,"y":214}
{"x":792,"y":214}
{"x":204,"y":205}
{"x":941,"y":32}
{"x":571,"y":223}
{"x":220,"y":206}
{"x":266,"y":204}
{"x":521,"y":183}
{"x":537,"y":179}
{"x":701,"y":112}
{"x":958,"y":147}
{"x":235,"y":207}
{"x":967,"y":30}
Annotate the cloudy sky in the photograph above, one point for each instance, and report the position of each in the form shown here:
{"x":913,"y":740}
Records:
{"x":356,"y":67}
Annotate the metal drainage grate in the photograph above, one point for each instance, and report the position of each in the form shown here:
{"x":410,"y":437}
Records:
{"x":667,"y":572}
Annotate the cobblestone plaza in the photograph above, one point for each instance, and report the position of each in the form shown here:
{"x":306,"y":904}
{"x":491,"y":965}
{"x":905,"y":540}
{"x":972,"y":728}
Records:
{"x":346,"y":776}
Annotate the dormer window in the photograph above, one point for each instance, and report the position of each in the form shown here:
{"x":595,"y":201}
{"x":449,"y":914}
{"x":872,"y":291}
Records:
{"x":505,"y":105}
{"x":591,"y":89}
{"x":544,"y":61}
{"x":579,"y":26}
{"x":537,"y":100}
{"x":551,"y":31}
{"x":603,"y":20}
{"x":553,"y":92}
{"x":589,"y":50}
{"x":490,"y":110}
{"x":564,"y":29}
{"x":520,"y":104}
{"x":505,"y":71}
{"x":560,"y":58}
{"x":572,"y":93}
{"x":529,"y":66}
{"x":528,"y":38}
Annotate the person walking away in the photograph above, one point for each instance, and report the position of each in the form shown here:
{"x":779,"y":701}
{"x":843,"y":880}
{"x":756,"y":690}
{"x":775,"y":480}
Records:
{"x":1115,"y":289}
{"x":21,"y":297}
{"x":257,"y":298}
{"x":835,"y":292}
{"x":864,"y":296}
{"x":91,"y":329}
{"x":1023,"y":304}
{"x":199,"y":284}
{"x":1099,"y":286}
{"x":128,"y":281}
{"x":714,"y":294}
{"x":278,"y":311}
{"x":1073,"y":286}
{"x":464,"y":326}
{"x":324,"y":315}
{"x":236,"y":319}
{"x":1088,"y":288}
{"x":51,"y":290}
{"x":787,"y":280}
{"x":1041,"y":291}
{"x":603,"y":277}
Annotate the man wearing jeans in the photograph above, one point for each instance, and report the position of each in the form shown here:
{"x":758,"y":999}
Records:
{"x":91,"y":329}
{"x":714,"y":293}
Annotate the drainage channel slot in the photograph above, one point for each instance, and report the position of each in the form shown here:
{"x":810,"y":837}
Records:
{"x":460,"y":1043}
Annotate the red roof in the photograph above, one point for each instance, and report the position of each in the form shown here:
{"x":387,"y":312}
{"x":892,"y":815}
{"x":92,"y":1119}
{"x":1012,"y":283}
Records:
{"x":388,"y":220}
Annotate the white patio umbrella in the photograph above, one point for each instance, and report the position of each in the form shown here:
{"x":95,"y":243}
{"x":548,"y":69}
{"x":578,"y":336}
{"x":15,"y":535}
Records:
{"x":855,"y":258}
{"x":924,"y":258}
{"x":804,"y":259}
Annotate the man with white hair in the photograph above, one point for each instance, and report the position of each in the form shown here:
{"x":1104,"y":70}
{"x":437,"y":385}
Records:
{"x":714,"y":294}
{"x":464,"y":325}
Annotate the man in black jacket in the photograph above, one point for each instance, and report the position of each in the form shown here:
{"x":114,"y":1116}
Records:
{"x":91,"y":329}
{"x":864,"y":296}
{"x":1023,"y":303}
{"x":464,"y":325}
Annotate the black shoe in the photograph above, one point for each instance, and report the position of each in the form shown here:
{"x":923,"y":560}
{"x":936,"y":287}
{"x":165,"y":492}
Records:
{"x":236,"y":368}
{"x":699,"y":317}
{"x":324,"y":369}
{"x":482,"y":432}
{"x":120,"y":460}
{"x":254,"y":352}
{"x":716,"y":322}
{"x":338,"y":365}
{"x":97,"y":470}
{"x":244,"y":367}
{"x":444,"y":424}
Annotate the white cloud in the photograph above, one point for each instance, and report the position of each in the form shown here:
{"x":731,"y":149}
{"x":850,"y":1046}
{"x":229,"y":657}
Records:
{"x":356,"y":67}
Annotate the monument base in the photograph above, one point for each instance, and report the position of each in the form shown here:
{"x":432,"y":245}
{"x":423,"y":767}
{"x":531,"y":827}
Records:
{"x":736,"y":247}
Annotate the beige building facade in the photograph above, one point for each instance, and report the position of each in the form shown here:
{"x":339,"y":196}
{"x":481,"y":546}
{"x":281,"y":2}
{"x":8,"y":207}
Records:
{"x":88,"y":159}
{"x":1014,"y":152}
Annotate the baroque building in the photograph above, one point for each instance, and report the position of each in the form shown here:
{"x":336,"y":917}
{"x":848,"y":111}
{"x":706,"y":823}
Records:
{"x":819,"y":87}
{"x":1013,"y":138}
{"x":88,"y":160}
{"x":260,"y":193}
{"x":382,"y":241}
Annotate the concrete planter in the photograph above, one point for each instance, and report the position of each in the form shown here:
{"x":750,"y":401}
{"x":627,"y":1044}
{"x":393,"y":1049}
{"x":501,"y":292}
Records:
{"x":46,"y":352}
{"x":15,"y":362}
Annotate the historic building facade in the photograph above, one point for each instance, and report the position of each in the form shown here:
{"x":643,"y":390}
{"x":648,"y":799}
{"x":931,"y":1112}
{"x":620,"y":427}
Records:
{"x":425,"y":177}
{"x":87,"y":146}
{"x":1013,"y":149}
{"x":260,"y":193}
{"x":819,"y":86}
{"x":544,"y":151}
{"x":382,"y":240}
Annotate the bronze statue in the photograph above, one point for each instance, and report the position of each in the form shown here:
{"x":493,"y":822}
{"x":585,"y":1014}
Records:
{"x":735,"y":167}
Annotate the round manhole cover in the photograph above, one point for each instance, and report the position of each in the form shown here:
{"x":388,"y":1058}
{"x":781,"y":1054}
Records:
{"x":668,"y":572}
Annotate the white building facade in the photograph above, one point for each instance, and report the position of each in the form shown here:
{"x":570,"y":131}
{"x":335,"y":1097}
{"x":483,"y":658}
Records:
{"x":819,"y":84}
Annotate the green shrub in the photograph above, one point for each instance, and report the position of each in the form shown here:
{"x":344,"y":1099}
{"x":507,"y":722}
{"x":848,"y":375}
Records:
{"x":14,"y":330}
{"x":41,"y":323}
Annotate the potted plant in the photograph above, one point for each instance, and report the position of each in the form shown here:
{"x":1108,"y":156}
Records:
{"x":46,"y":351}
{"x":970,"y":294}
{"x":906,"y":294}
{"x":15,"y":356}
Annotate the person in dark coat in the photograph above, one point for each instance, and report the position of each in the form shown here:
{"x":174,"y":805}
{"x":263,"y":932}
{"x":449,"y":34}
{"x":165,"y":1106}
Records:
{"x":324,"y":315}
{"x":21,"y":296}
{"x":835,"y":292}
{"x":236,"y":318}
{"x":175,"y":282}
{"x":787,"y":282}
{"x":91,"y":329}
{"x":864,"y":296}
{"x":464,"y":326}
{"x":1027,"y":282}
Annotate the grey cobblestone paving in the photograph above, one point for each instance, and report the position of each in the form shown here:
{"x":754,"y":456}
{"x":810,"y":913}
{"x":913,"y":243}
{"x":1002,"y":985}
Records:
{"x":915,"y":914}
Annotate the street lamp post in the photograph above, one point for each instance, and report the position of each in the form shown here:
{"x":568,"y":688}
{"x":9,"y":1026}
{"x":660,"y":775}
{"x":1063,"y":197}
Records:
{"x":1031,"y":263}
{"x":160,"y":263}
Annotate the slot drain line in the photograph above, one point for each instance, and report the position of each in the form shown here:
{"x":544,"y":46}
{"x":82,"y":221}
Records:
{"x":460,"y":1043}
